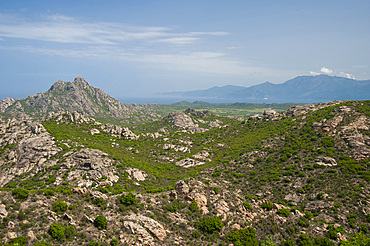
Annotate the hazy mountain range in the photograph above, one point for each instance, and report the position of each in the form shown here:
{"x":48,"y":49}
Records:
{"x":300,"y":89}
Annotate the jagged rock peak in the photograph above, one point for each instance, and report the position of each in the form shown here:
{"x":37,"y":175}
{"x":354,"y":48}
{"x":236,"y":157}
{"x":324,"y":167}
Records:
{"x":63,"y":85}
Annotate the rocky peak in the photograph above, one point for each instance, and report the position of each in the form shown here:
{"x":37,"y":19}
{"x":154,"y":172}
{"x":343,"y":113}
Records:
{"x":77,"y":96}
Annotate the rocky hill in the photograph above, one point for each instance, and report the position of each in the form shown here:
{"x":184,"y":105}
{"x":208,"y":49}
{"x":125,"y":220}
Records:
{"x":300,"y":177}
{"x":77,"y":96}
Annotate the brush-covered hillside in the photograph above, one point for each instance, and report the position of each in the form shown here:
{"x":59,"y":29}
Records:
{"x":300,"y":177}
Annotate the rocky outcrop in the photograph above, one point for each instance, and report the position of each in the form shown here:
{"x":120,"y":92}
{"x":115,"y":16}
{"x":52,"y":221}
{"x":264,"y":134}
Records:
{"x":182,"y":121}
{"x":197,"y":113}
{"x":3,"y":212}
{"x":304,"y":109}
{"x":138,"y":225}
{"x":200,"y":199}
{"x":188,"y":162}
{"x":325,"y":161}
{"x":5,"y":103}
{"x":136,"y":174}
{"x":182,"y":187}
{"x":33,"y":146}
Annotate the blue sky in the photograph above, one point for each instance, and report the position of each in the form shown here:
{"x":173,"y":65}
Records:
{"x":137,"y":48}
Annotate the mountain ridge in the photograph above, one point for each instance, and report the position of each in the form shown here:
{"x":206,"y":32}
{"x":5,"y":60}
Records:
{"x":299,"y":89}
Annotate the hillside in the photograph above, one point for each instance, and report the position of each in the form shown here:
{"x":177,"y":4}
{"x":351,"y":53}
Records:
{"x":321,"y":88}
{"x":190,"y":178}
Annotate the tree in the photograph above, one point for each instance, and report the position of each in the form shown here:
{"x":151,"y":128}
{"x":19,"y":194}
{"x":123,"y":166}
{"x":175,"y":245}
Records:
{"x":100,"y":222}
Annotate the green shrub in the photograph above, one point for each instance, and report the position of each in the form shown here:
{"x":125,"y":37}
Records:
{"x":171,"y":208}
{"x":303,"y":222}
{"x":49,"y":192}
{"x":323,"y":241}
{"x":93,"y":243}
{"x":283,"y":212}
{"x":100,"y":222}
{"x":193,"y":207}
{"x":20,"y":194}
{"x":243,"y":237}
{"x":59,"y":207}
{"x":211,"y":225}
{"x":128,"y":199}
{"x":70,"y":232}
{"x":18,"y":241}
{"x":114,"y":242}
{"x":308,"y":215}
{"x":363,"y":228}
{"x":42,"y":243}
{"x":56,"y":231}
{"x":247,"y":206}
{"x":267,"y":205}
{"x":304,"y":240}
{"x":288,"y":242}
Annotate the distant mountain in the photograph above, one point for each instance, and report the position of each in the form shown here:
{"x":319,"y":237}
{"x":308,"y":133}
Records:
{"x":300,"y":89}
{"x":77,"y":96}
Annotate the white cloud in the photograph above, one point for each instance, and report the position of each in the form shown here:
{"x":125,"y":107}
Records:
{"x":179,"y":40}
{"x":314,"y":73}
{"x":347,"y":75}
{"x":65,"y":29}
{"x":327,"y":71}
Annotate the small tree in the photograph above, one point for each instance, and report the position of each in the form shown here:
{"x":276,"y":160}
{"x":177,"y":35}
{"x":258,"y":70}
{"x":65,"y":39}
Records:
{"x":100,"y":222}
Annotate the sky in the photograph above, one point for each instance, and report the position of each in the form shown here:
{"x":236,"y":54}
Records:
{"x":138,"y":48}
